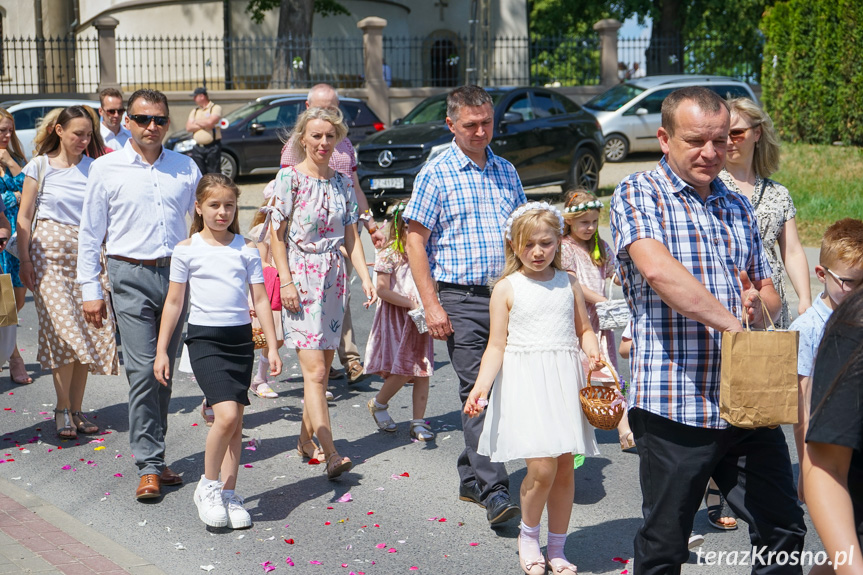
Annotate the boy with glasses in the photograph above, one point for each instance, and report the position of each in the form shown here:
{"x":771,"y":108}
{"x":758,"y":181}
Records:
{"x":840,"y":269}
{"x":111,"y":111}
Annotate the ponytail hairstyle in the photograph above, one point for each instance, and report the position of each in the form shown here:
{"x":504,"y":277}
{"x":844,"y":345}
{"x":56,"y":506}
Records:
{"x":579,"y":202}
{"x":523,"y":222}
{"x":397,"y":230}
{"x":206,"y":186}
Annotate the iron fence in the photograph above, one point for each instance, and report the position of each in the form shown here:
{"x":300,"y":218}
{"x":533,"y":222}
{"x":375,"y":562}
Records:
{"x":675,"y":55}
{"x":49,"y":65}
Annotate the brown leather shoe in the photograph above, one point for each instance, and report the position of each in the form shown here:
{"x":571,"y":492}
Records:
{"x":148,"y":488}
{"x":355,"y":371}
{"x":168,"y":477}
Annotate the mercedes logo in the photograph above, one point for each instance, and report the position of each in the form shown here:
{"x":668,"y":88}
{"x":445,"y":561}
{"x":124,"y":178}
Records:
{"x":385,"y":159}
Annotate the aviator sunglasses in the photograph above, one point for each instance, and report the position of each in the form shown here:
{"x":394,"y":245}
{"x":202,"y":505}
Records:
{"x":113,"y":112}
{"x":144,"y":120}
{"x":738,"y":134}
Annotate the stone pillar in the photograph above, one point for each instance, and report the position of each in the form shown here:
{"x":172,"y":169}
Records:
{"x":607,"y":30}
{"x":107,"y":52}
{"x":377,"y":92}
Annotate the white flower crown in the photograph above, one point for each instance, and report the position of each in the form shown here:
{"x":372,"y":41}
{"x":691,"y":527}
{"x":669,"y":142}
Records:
{"x":591,"y":205}
{"x":521,"y":210}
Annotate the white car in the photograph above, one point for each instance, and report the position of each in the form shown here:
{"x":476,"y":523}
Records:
{"x":630,"y":114}
{"x":29,"y":113}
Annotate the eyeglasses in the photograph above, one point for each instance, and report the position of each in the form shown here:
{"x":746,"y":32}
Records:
{"x":144,"y":120}
{"x":738,"y":134}
{"x":845,"y":284}
{"x":113,"y":112}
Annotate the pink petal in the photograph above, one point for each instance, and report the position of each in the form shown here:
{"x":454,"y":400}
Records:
{"x":313,"y":562}
{"x":118,"y":475}
{"x":473,"y":544}
{"x":345,"y":498}
{"x":66,"y":467}
{"x":381,"y":545}
{"x":414,"y":568}
{"x":391,"y":550}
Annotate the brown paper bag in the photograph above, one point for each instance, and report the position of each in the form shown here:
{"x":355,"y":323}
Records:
{"x":758,"y":385}
{"x":8,"y":309}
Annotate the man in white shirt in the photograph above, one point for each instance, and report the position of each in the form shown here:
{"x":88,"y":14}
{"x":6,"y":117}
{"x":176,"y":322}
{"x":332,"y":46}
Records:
{"x":137,"y":201}
{"x":111,"y":111}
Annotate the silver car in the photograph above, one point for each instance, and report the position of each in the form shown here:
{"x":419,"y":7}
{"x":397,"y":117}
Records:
{"x":29,"y":113}
{"x":630,"y":114}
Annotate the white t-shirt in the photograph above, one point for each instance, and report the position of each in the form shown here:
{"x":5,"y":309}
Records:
{"x":218,"y":277}
{"x":63,"y":194}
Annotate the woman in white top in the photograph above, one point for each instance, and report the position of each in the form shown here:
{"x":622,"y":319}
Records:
{"x":68,"y":345}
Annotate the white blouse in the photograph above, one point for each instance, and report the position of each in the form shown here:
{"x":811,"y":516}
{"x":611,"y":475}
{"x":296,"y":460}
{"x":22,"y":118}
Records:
{"x":64,"y":190}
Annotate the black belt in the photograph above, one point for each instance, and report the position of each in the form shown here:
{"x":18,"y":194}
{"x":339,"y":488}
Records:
{"x":482,"y":290}
{"x":157,"y":263}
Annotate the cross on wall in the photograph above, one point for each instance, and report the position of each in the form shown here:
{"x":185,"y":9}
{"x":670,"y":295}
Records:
{"x":442,"y":4}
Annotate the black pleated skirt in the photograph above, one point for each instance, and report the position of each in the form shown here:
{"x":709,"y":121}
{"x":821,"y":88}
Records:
{"x":222,"y":359}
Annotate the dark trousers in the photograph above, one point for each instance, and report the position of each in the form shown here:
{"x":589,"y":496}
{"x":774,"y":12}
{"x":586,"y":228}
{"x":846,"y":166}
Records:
{"x":469,"y":316}
{"x":752,"y":469}
{"x":209,"y":157}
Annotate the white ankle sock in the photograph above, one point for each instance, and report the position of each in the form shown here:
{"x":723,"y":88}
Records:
{"x":228,"y":492}
{"x":380,"y":405}
{"x":529,"y":537}
{"x":555,"y":545}
{"x":207,"y":482}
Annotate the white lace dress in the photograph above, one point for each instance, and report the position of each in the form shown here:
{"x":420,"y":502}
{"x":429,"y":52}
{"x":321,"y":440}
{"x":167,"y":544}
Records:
{"x":534,"y":408}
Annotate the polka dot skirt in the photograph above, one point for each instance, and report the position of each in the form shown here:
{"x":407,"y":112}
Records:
{"x":64,"y":335}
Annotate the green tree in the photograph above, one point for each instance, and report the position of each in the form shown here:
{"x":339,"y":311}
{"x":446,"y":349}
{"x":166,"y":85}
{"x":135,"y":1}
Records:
{"x":294,"y":35}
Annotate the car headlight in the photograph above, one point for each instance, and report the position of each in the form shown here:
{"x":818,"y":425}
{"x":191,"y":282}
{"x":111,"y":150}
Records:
{"x":184,"y":146}
{"x":438,"y":150}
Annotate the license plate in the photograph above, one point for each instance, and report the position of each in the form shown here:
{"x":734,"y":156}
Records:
{"x":388,"y":183}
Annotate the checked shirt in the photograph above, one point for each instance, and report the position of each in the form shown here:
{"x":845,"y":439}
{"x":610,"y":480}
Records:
{"x":675,"y":361}
{"x":466,"y":210}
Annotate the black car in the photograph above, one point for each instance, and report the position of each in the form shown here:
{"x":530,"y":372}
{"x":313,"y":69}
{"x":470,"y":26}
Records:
{"x":251,"y":134}
{"x":547,"y":137}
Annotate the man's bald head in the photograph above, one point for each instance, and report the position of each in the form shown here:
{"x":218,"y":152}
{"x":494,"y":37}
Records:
{"x":322,"y":96}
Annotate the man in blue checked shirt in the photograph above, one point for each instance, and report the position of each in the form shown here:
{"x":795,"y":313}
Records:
{"x":460,"y":203}
{"x":691,"y":263}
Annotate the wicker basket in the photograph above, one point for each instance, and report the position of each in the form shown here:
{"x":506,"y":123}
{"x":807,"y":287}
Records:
{"x":596,"y":403}
{"x":259,"y":338}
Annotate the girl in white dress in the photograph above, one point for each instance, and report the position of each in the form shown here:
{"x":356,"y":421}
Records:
{"x":538,"y":317}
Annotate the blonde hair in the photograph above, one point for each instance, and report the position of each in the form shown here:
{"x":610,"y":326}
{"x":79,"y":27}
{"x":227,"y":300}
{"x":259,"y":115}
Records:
{"x":765,"y":159}
{"x":45,"y":128}
{"x":843,"y":243}
{"x":575,"y":197}
{"x":332,"y":115}
{"x":522,"y":228}
{"x":207,"y":184}
{"x":17,"y":152}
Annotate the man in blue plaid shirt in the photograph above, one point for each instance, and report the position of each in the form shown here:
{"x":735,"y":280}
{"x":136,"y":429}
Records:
{"x":691,"y":263}
{"x":460,"y":203}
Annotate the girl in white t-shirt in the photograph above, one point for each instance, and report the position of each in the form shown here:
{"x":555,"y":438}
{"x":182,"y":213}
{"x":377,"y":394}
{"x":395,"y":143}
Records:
{"x":219,"y":265}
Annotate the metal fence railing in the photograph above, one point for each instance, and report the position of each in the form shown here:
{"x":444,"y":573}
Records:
{"x":49,"y":65}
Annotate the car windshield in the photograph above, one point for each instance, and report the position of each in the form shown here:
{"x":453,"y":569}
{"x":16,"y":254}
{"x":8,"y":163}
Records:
{"x":244,"y":112}
{"x":433,"y":110}
{"x":615,"y":98}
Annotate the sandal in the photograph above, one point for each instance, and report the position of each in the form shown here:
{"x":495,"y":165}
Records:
{"x":384,"y":421}
{"x":336,"y":465}
{"x":263,"y":390}
{"x":627,"y":441}
{"x":18,"y":371}
{"x":83,"y":424}
{"x":718,"y":511}
{"x":420,"y":430}
{"x":317,"y":453}
{"x":66,"y":430}
{"x":207,"y":413}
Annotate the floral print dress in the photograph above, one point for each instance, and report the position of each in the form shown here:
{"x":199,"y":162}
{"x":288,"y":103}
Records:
{"x":317,"y":211}
{"x":773,"y":207}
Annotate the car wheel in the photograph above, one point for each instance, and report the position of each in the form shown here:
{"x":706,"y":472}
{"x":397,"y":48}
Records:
{"x":584,"y":172}
{"x":228,"y":165}
{"x":616,"y":148}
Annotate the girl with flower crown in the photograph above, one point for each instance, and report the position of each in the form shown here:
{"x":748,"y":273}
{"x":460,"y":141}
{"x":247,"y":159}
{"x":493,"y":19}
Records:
{"x":538,"y":319}
{"x":591,"y":259}
{"x":396,"y":349}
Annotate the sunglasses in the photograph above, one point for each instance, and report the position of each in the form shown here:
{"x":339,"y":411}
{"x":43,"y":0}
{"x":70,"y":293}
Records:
{"x":113,"y":112}
{"x":144,"y":120}
{"x":738,"y":134}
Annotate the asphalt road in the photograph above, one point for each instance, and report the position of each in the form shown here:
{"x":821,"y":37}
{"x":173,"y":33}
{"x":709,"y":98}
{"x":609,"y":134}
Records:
{"x":403,"y":511}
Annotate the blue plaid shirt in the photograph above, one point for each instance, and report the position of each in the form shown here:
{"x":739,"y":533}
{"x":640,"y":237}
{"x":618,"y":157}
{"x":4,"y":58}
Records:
{"x":466,"y":210}
{"x":675,"y":361}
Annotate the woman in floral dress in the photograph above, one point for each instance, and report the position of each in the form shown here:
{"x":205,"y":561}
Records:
{"x":314,"y":211}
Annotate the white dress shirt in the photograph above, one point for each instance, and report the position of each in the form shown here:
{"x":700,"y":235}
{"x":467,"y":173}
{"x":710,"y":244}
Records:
{"x":112,"y":140}
{"x":138,"y":209}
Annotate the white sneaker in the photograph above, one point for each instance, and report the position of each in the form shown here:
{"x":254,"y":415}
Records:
{"x":238,"y":517}
{"x":696,"y":541}
{"x":211,"y":508}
